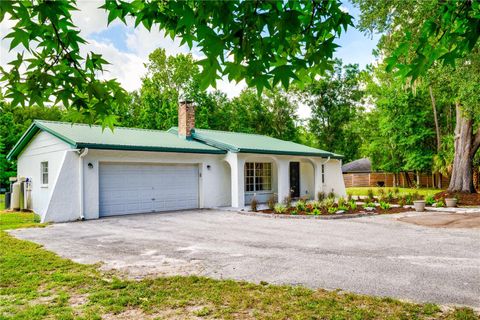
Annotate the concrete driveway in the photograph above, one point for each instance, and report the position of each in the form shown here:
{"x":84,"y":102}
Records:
{"x":372,"y":255}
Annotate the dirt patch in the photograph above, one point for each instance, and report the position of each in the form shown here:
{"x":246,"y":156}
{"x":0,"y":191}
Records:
{"x":464,"y":199}
{"x":455,"y":220}
{"x":133,"y":314}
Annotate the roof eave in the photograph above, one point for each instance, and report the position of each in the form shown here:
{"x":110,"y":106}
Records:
{"x":147,"y":148}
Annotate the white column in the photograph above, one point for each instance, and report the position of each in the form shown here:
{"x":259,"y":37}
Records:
{"x":237,"y":179}
{"x":283,"y":177}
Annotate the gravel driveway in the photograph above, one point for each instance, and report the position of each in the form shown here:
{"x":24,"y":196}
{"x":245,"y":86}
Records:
{"x":372,"y":255}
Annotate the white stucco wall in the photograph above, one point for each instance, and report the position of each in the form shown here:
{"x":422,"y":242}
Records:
{"x":42,"y":147}
{"x":214,"y":183}
{"x":334,"y":178}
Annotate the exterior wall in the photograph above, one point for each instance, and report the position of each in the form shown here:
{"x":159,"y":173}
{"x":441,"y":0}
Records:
{"x":333,"y":178}
{"x":389,"y":179}
{"x":214,"y":182}
{"x":307,"y":180}
{"x":42,"y":147}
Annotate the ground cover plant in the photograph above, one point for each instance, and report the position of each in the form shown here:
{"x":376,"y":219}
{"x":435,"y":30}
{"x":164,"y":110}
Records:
{"x":37,"y":284}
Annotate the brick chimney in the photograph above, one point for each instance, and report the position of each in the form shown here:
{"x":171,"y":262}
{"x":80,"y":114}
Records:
{"x":186,"y":118}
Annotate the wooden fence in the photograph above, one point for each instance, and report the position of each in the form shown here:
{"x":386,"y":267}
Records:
{"x":375,"y":179}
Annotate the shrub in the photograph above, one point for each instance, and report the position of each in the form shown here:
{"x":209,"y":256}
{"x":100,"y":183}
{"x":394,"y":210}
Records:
{"x":287,"y":201}
{"x":396,"y":191}
{"x":408,"y":199}
{"x":279,"y":208}
{"x":308,"y":208}
{"x":332,"y":210}
{"x":341,"y":202}
{"x":390,"y":196}
{"x":254,"y":204}
{"x":440,"y":203}
{"x":271,"y":201}
{"x":370,"y":194}
{"x":369,"y":205}
{"x":316,"y":212}
{"x":331,"y":195}
{"x":429,"y":200}
{"x":353,"y":205}
{"x":329,"y":202}
{"x":321,"y":195}
{"x":349,"y":197}
{"x":344,"y":208}
{"x":300,"y":205}
{"x":385,"y":205}
{"x":294,"y":212}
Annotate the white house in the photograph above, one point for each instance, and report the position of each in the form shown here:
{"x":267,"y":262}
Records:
{"x":79,"y":171}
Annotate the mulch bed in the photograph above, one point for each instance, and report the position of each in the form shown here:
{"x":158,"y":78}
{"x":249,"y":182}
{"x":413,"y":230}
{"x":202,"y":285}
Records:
{"x":465,"y":199}
{"x":360,"y":209}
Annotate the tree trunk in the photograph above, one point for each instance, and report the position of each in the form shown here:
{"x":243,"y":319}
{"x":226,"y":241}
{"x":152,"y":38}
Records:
{"x":437,"y":131}
{"x":466,"y":145}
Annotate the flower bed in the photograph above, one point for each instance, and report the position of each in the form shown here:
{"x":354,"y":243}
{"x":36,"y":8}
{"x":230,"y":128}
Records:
{"x":358,"y":210}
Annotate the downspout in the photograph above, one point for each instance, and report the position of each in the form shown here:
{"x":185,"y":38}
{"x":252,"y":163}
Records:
{"x":82,"y":154}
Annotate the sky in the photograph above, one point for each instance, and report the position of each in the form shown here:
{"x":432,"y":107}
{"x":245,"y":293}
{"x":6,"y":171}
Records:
{"x":127,"y":48}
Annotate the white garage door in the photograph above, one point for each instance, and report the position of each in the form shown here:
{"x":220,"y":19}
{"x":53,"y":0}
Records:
{"x":136,"y":188}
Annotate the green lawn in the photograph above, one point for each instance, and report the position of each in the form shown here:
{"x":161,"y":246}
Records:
{"x":2,"y":201}
{"x":362,"y":191}
{"x":37,"y":284}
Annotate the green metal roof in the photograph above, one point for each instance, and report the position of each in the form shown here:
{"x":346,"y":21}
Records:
{"x":204,"y":141}
{"x":94,"y":137}
{"x":255,"y":143}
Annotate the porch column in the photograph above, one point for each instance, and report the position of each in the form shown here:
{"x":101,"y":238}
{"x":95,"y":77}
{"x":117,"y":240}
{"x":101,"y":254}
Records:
{"x":283,"y":177}
{"x":318,"y":177}
{"x":237,"y":179}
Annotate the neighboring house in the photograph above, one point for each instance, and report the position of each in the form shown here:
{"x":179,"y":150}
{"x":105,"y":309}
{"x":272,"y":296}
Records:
{"x":359,"y":173}
{"x":79,"y":171}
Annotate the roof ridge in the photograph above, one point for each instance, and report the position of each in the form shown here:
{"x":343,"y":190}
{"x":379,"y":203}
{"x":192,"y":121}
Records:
{"x":235,"y":132}
{"x":96,"y":125}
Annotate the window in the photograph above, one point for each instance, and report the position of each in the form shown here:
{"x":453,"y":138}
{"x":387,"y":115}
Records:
{"x":323,"y":173}
{"x":258,"y":176}
{"x":44,"y":173}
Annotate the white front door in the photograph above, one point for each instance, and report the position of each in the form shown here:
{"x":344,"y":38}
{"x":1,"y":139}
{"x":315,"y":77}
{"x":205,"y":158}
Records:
{"x":138,"y":188}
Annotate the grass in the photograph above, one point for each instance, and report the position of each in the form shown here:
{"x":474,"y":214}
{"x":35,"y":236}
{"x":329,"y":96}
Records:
{"x":2,"y":201}
{"x":37,"y":284}
{"x":362,"y":191}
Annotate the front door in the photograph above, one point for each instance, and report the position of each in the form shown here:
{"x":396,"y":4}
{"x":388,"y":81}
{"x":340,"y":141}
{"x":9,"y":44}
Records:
{"x":295,"y":179}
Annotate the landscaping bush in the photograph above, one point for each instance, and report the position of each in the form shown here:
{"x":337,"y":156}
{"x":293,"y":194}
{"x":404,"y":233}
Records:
{"x":294,"y":212}
{"x":408,"y":199}
{"x":353,"y":205}
{"x":440,"y":203}
{"x":279,"y":208}
{"x":301,"y":205}
{"x":271,"y":202}
{"x":316,"y":211}
{"x":331,"y":195}
{"x":369,"y":205}
{"x":402,"y":201}
{"x":370,"y":194}
{"x":385,"y":205}
{"x":321,"y":196}
{"x":332,"y":210}
{"x":287,"y":201}
{"x":430,"y":200}
{"x":390,"y":196}
{"x":254,"y":204}
{"x":329,"y":202}
{"x":341,"y":202}
{"x":349,"y":196}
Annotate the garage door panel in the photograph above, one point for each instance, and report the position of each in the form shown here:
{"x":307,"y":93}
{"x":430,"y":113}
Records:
{"x":136,"y":188}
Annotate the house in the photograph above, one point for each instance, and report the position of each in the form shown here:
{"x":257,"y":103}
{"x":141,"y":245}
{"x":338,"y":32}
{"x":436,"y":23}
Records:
{"x":359,"y":173}
{"x":77,"y":171}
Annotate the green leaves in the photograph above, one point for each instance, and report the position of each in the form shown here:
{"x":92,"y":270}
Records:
{"x":56,"y":72}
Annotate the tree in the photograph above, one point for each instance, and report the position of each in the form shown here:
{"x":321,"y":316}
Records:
{"x":436,"y":36}
{"x":266,"y":42}
{"x":335,"y":101}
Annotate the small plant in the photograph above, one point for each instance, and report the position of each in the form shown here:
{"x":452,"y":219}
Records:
{"x":396,"y":192}
{"x":332,"y":210}
{"x":279,"y":208}
{"x":287,"y":201}
{"x":329,"y":202}
{"x":401,"y":201}
{"x":430,"y":200}
{"x":344,"y":208}
{"x":331,"y":195}
{"x":370,"y":194}
{"x":381,"y":192}
{"x":349,"y":196}
{"x":390,"y":196}
{"x":408,"y":199}
{"x":341,"y":202}
{"x":308,"y":208}
{"x":316,"y":211}
{"x":321,"y":195}
{"x":353,"y":205}
{"x":271,"y":201}
{"x":384,"y":205}
{"x":416,"y":196}
{"x":440,"y":203}
{"x":254,"y":204}
{"x":369,"y":205}
{"x":294,"y":212}
{"x":301,"y":205}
